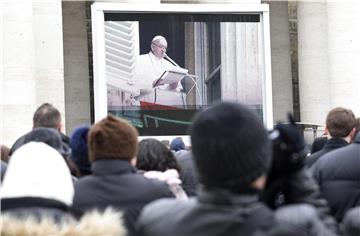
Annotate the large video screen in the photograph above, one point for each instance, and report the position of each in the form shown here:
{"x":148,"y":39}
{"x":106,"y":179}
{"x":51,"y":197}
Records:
{"x":161,"y":68}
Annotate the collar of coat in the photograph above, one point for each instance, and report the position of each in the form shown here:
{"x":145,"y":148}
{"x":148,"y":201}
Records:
{"x":112,"y":167}
{"x":24,"y":202}
{"x":335,"y":143}
{"x":92,"y":223}
{"x":225,"y":197}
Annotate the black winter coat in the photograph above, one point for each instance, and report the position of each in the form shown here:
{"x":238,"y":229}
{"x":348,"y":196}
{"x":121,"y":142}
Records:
{"x":223,"y":213}
{"x":116,"y":183}
{"x":331,"y":144}
{"x":351,"y":223}
{"x":188,"y":173}
{"x":338,"y":175}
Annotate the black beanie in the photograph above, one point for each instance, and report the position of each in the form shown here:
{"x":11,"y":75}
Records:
{"x":230,"y":146}
{"x":79,"y":149}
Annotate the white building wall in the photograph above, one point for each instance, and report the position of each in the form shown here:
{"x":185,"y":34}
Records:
{"x":329,"y":57}
{"x":32,"y":64}
{"x":313,"y":62}
{"x":344,"y":53}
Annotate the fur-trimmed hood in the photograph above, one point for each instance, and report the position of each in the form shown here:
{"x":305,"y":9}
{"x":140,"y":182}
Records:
{"x":93,"y":223}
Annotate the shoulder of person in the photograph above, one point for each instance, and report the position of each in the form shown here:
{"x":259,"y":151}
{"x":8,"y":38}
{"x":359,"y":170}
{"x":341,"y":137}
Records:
{"x":304,"y":218}
{"x":159,"y":186}
{"x":19,"y":142}
{"x":159,"y":210}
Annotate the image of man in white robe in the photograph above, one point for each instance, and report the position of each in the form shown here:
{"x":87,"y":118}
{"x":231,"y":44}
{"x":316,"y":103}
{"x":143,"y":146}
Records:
{"x":149,"y":68}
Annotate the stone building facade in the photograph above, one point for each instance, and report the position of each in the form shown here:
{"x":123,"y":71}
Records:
{"x":46,"y":56}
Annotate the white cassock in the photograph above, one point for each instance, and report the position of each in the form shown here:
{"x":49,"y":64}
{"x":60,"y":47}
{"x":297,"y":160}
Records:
{"x":149,"y":68}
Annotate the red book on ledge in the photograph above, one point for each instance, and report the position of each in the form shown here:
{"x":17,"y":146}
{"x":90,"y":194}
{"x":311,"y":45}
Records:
{"x":155,"y":106}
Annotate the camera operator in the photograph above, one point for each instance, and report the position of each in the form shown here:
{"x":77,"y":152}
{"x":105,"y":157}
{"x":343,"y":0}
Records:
{"x":291,"y":184}
{"x":231,"y":151}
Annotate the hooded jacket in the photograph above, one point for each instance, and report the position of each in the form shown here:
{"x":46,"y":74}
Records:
{"x":38,"y":170}
{"x":37,"y":193}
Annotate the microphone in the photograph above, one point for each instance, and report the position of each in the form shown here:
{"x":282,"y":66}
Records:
{"x":171,"y":60}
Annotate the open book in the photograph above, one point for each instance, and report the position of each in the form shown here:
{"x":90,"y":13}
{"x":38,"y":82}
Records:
{"x":171,"y":76}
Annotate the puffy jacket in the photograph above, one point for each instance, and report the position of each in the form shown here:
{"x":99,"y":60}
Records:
{"x":351,"y":223}
{"x":338,"y":175}
{"x":218,"y":212}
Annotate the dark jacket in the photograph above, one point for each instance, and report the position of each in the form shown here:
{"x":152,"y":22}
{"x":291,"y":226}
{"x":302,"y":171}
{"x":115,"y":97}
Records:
{"x":116,"y":183}
{"x":64,"y":148}
{"x":3,"y":169}
{"x":222,"y":213}
{"x":331,"y":144}
{"x":351,"y":223}
{"x":188,"y":173}
{"x":338,"y":175}
{"x":39,"y":216}
{"x":36,"y":207}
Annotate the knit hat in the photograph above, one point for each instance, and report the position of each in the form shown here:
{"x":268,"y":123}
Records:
{"x":79,"y":149}
{"x":230,"y":147}
{"x":38,"y":170}
{"x":177,"y":144}
{"x":112,"y":138}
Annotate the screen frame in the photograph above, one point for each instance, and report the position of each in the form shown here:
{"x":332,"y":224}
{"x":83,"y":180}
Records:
{"x":98,"y":11}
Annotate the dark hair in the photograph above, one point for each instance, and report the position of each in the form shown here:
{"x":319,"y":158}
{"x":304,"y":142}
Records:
{"x":153,"y":155}
{"x":46,"y":116}
{"x":340,"y":121}
{"x":5,"y":153}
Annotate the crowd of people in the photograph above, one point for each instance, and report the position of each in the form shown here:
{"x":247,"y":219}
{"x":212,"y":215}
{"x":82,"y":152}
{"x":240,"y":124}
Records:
{"x":236,"y":178}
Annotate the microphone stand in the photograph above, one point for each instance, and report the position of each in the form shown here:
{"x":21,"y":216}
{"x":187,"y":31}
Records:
{"x":171,"y":60}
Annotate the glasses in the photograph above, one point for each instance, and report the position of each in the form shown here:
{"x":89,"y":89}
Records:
{"x":160,"y":46}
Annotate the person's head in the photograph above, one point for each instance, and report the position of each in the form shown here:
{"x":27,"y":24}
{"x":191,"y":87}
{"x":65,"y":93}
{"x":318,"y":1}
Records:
{"x":340,"y":123}
{"x":112,"y":138}
{"x":48,"y":116}
{"x":231,"y":148}
{"x":159,"y":46}
{"x":79,"y":150}
{"x":4,"y":153}
{"x":153,"y":155}
{"x":38,"y":170}
{"x":177,"y":144}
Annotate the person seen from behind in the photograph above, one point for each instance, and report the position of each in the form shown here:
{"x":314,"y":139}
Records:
{"x":232,"y":154}
{"x":37,"y":194}
{"x":340,"y":127}
{"x":115,"y":182}
{"x":156,"y":161}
